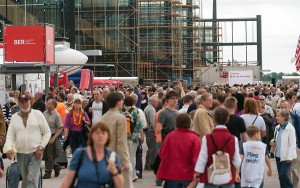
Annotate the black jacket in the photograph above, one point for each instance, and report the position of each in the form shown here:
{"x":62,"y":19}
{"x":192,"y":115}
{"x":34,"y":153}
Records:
{"x":39,"y":105}
{"x":90,"y":114}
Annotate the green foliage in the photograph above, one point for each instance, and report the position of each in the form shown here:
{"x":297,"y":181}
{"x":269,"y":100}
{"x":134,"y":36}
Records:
{"x":277,"y":76}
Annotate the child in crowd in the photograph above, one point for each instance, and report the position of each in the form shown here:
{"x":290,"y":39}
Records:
{"x":254,"y":156}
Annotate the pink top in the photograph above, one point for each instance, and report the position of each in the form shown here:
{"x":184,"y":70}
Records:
{"x":69,"y":123}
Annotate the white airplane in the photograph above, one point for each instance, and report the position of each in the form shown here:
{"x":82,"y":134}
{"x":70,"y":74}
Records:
{"x":63,"y":55}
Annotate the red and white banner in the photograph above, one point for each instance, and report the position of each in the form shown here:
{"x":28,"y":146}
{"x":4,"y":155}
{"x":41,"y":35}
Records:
{"x":29,"y":44}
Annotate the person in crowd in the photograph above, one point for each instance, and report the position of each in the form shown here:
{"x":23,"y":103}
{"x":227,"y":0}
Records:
{"x":292,"y":99}
{"x":144,"y":101}
{"x":30,"y":132}
{"x":276,"y":100}
{"x":98,"y":107}
{"x":294,"y":120}
{"x":74,"y":126}
{"x":254,"y":155}
{"x":177,"y":168}
{"x":6,"y":109}
{"x":203,"y":121}
{"x":28,"y":94}
{"x":251,"y":116}
{"x":136,"y":134}
{"x":16,"y":96}
{"x":3,"y":130}
{"x":97,"y":167}
{"x":193,"y":107}
{"x":138,"y":94}
{"x":105,"y":92}
{"x":236,"y":124}
{"x":285,"y":147}
{"x":69,"y":102}
{"x":268,"y":109}
{"x":39,"y":103}
{"x":187,"y":101}
{"x":166,"y":119}
{"x":118,"y":128}
{"x":61,"y":107}
{"x":150,"y":131}
{"x":220,"y":135}
{"x":53,"y":148}
{"x":221,"y":98}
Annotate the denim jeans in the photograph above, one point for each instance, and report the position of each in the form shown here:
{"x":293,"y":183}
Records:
{"x":13,"y":175}
{"x":176,"y":184}
{"x":30,"y":169}
{"x":218,"y":186}
{"x":283,"y":172}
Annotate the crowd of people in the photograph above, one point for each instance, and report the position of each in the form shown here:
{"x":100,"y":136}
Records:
{"x":186,"y":129}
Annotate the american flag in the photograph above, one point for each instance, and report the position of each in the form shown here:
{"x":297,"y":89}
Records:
{"x":297,"y":55}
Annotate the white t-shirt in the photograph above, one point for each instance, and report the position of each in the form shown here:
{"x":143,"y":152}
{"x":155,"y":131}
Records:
{"x":296,"y":108}
{"x":253,"y":164}
{"x":259,"y":122}
{"x":97,"y":111}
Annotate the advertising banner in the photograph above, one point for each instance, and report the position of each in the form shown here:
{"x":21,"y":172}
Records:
{"x":240,"y":77}
{"x":29,"y":44}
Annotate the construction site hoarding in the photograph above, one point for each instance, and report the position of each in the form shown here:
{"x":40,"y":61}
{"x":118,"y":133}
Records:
{"x":29,"y":44}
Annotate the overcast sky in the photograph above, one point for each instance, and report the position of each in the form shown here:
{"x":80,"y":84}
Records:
{"x":280,"y":29}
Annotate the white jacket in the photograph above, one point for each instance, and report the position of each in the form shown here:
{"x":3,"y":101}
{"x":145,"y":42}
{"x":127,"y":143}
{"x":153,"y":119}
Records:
{"x":37,"y":132}
{"x":288,"y":142}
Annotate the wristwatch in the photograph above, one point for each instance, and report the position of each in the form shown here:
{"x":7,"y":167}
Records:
{"x":117,"y":173}
{"x":41,"y":148}
{"x":196,"y":175}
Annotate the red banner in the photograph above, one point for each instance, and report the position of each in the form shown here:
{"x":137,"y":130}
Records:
{"x":29,"y":44}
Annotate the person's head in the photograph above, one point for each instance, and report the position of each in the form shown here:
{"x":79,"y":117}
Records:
{"x":153,"y":100}
{"x":61,"y":96}
{"x":250,"y":106}
{"x":253,"y":132}
{"x":115,"y":99}
{"x":105,"y":92}
{"x":71,"y":83}
{"x":183,"y":120}
{"x":188,"y":99}
{"x":282,"y":116}
{"x":27,"y":93}
{"x":38,"y":95}
{"x":262,"y":100}
{"x":77,"y":105}
{"x":284,"y":104}
{"x":97,"y":95}
{"x":172,"y":98}
{"x":24,"y":104}
{"x":10,"y":102}
{"x":17,"y":94}
{"x":51,"y":104}
{"x":221,"y":116}
{"x":74,"y":90}
{"x":221,"y":98}
{"x":135,"y":98}
{"x":70,"y":98}
{"x":231,"y":103}
{"x":291,"y":97}
{"x":128,"y":101}
{"x":99,"y":135}
{"x":206,"y":100}
{"x":11,"y":94}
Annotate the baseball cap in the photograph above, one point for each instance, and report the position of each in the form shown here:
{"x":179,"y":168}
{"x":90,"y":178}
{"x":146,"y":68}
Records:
{"x":23,"y":97}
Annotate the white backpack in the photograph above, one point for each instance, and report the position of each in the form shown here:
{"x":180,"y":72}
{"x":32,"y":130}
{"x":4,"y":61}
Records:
{"x":219,"y":172}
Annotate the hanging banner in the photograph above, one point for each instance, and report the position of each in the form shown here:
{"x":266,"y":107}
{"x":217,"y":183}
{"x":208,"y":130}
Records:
{"x":240,"y":77}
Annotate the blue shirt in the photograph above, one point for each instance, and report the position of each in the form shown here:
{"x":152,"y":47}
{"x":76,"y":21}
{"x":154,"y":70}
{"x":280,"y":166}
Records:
{"x":278,"y":139}
{"x":87,"y":175}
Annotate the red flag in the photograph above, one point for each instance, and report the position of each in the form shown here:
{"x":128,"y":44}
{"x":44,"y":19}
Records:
{"x":297,"y":55}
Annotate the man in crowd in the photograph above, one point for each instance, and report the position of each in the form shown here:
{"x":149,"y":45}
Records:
{"x":53,"y":148}
{"x":118,"y":129}
{"x":39,"y":103}
{"x":150,"y":131}
{"x":203,"y":121}
{"x":98,"y":107}
{"x":30,"y":132}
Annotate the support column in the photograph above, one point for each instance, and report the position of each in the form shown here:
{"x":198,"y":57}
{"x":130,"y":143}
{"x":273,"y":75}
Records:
{"x":56,"y":79}
{"x":47,"y":77}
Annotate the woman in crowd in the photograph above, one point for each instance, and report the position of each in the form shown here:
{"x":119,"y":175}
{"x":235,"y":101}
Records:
{"x":285,"y":147}
{"x":96,"y":165}
{"x":74,"y":126}
{"x":251,"y":116}
{"x":177,"y":168}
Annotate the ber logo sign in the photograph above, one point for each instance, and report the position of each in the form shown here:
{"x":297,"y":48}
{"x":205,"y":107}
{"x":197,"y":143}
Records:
{"x":29,"y":44}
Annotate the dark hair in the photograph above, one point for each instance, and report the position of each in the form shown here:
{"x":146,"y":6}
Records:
{"x":183,"y":120}
{"x":252,"y":130}
{"x":104,"y":128}
{"x":163,"y":100}
{"x":113,"y":98}
{"x":128,"y":101}
{"x":171,"y":94}
{"x":221,"y":97}
{"x":221,"y":116}
{"x":187,"y":99}
{"x":289,"y":95}
{"x":62,"y":95}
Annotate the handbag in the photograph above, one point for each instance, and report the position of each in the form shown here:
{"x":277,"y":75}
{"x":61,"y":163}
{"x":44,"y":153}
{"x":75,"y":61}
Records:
{"x":74,"y":181}
{"x":155,"y":165}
